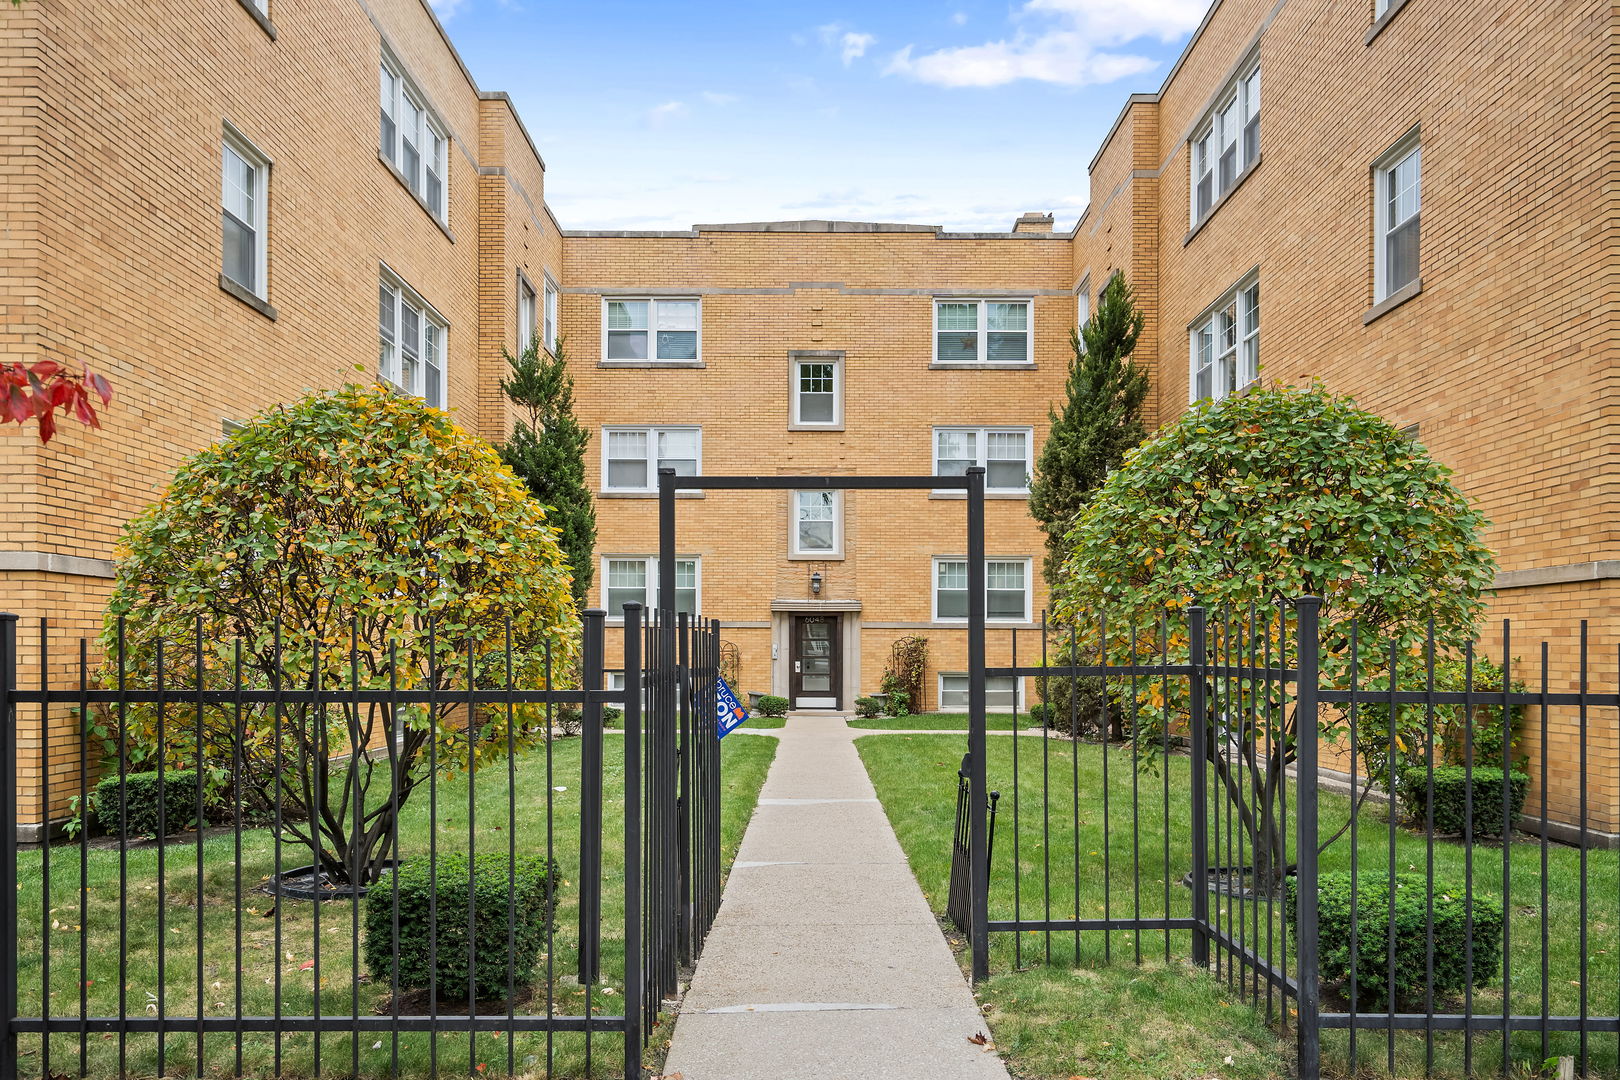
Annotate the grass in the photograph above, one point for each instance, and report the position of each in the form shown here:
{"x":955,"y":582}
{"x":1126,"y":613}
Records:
{"x":250,"y":942}
{"x":943,"y":722}
{"x":759,"y":722}
{"x":1058,"y":833}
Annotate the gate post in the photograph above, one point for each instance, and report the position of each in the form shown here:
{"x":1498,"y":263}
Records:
{"x":1305,"y":764}
{"x":1198,"y":731}
{"x":590,"y":805}
{"x":8,"y":847}
{"x":978,"y":830}
{"x":662,"y":816}
{"x":635,"y":971}
{"x":686,"y":628}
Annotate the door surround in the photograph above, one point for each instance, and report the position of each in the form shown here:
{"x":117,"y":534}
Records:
{"x":848,"y":613}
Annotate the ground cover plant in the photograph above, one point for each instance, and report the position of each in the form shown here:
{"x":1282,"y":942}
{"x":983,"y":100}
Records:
{"x":272,"y":968}
{"x":1054,"y":828}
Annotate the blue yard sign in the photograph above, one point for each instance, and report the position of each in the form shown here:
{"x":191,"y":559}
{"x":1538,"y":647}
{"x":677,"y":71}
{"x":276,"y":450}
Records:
{"x":729,"y":712}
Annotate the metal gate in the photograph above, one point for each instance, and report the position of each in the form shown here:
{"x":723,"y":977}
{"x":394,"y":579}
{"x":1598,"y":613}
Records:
{"x":483,"y":797}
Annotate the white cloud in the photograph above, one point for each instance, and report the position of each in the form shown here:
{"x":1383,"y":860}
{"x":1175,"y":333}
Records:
{"x":1066,"y":42}
{"x":660,"y":115}
{"x":714,"y":98}
{"x":851,"y":44}
{"x":446,"y":9}
{"x":959,"y":19}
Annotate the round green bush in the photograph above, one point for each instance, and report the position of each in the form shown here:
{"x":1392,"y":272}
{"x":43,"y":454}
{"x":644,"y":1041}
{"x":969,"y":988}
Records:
{"x":868,"y":708}
{"x":512,"y":912}
{"x":138,"y":807}
{"x":1451,"y":784}
{"x":771,"y":705}
{"x":1411,"y":941}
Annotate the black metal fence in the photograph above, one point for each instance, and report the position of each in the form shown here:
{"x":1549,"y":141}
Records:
{"x":1391,"y":849}
{"x":446,"y":857}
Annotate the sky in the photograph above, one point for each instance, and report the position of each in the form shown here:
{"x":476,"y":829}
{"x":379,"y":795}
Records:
{"x":960,"y":113}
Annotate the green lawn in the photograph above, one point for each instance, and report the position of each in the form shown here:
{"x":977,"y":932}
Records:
{"x":943,"y":722}
{"x":1069,"y":1012}
{"x":280,"y":941}
{"x":757,"y":721}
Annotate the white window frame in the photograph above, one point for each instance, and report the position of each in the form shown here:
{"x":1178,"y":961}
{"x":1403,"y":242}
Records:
{"x":816,"y":554}
{"x":955,"y":620}
{"x":1245,"y":341}
{"x":255,"y":159}
{"x":650,"y":603}
{"x":1018,"y":693}
{"x":981,"y":451}
{"x":432,"y":138}
{"x":1408,"y":146}
{"x":548,"y":325}
{"x":795,"y":417}
{"x":528,"y":312}
{"x":1244,"y":92}
{"x":432,"y":342}
{"x":651,"y":431}
{"x":1082,"y":310}
{"x":651,"y":330}
{"x":982,"y":333}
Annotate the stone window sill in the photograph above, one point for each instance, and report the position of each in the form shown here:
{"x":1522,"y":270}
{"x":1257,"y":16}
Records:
{"x":261,"y":18}
{"x":651,"y":364}
{"x":1020,"y":495}
{"x":1383,"y":20}
{"x":1392,"y":301}
{"x":646,"y":494}
{"x":939,"y":366}
{"x":1198,"y":227}
{"x":257,"y":303}
{"x":426,"y":209}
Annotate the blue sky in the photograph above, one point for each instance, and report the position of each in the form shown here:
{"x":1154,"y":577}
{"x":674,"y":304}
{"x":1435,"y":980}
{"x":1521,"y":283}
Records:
{"x":960,"y":113}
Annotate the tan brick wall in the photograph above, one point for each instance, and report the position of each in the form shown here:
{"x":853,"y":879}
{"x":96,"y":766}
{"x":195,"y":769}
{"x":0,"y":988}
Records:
{"x":1506,"y":360}
{"x":111,"y":252}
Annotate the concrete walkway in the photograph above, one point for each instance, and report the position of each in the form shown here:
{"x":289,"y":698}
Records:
{"x":825,"y":961}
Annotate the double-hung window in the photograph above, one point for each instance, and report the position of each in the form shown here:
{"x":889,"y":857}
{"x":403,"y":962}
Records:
{"x":817,"y":526}
{"x":411,"y":138}
{"x":1006,"y":589}
{"x":632,"y":456}
{"x":817,"y":391}
{"x":1224,"y":344}
{"x":1001,"y":693}
{"x":1397,"y":206}
{"x":412,"y":341}
{"x":526,"y":304}
{"x":1226,"y":143}
{"x":244,"y":197}
{"x":631,"y":579}
{"x":549,"y":334}
{"x":1005,"y":453}
{"x":981,"y":332}
{"x":652,"y":330}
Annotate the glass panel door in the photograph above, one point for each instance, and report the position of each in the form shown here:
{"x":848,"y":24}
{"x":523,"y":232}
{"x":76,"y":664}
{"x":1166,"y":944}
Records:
{"x":816,"y":674}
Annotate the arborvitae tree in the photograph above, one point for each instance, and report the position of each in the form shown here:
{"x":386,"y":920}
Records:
{"x":547,"y":451}
{"x":1101,"y":418}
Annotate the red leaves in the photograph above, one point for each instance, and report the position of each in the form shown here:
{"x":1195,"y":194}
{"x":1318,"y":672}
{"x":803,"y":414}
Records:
{"x":36,"y":391}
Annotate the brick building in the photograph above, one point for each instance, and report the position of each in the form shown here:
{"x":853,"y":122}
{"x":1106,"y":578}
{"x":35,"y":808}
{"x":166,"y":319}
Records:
{"x":1420,"y":202}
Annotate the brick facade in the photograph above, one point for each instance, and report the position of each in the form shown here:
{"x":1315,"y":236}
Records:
{"x":1505,"y":359}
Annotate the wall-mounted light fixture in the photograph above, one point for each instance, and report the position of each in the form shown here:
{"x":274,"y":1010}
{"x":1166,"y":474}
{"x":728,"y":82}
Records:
{"x":815,"y":583}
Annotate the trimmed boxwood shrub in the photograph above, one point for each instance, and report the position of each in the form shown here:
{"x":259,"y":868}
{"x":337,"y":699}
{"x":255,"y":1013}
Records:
{"x":868,"y":707}
{"x":771,"y":705}
{"x":1411,"y":935}
{"x":532,"y":911}
{"x":1451,"y":798}
{"x":141,"y":803}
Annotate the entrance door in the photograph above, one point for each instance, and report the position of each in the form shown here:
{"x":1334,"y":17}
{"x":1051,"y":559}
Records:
{"x":816,"y":676}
